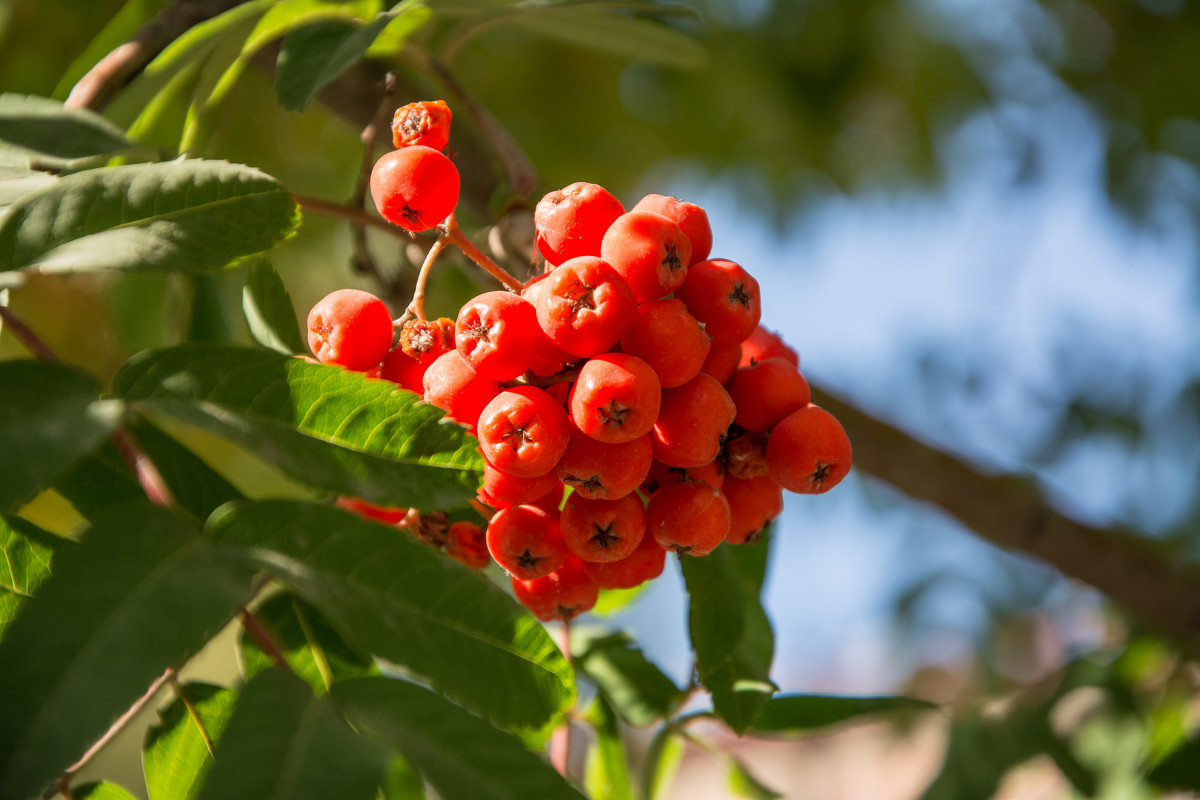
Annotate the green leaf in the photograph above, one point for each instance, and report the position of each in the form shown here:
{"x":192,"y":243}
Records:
{"x":11,"y":604}
{"x":28,"y":551}
{"x":324,"y":426}
{"x":195,"y":486}
{"x":1179,"y":770}
{"x":402,"y":783}
{"x":716,"y":608}
{"x":39,"y":133}
{"x":269,"y":310}
{"x":282,"y":743}
{"x":462,"y":756}
{"x":16,"y":182}
{"x":141,"y":592}
{"x":184,"y":216}
{"x":99,"y":480}
{"x":741,"y":687}
{"x":637,"y":689}
{"x":623,"y":36}
{"x":313,"y":649}
{"x":388,"y":595}
{"x":50,"y":417}
{"x":606,"y":773}
{"x":177,"y":752}
{"x":663,"y":757}
{"x":286,"y":16}
{"x":315,"y":54}
{"x":798,"y":714}
{"x":743,"y":783}
{"x":102,"y":790}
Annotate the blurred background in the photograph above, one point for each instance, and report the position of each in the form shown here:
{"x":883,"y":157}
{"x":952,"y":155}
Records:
{"x":976,"y":220}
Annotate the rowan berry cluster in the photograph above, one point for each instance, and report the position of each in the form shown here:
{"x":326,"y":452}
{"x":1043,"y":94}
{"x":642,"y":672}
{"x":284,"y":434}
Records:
{"x":627,"y":401}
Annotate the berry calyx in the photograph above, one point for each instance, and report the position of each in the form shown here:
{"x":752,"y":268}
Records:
{"x":808,"y":452}
{"x":616,"y":398}
{"x":526,"y":541}
{"x":498,"y":333}
{"x":603,"y":530}
{"x":523,"y":431}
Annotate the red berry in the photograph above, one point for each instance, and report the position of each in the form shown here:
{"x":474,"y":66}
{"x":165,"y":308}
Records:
{"x":808,"y":451}
{"x":691,"y":423}
{"x":498,"y":333}
{"x":571,"y":221}
{"x":762,"y":344}
{"x":724,"y":297}
{"x":466,"y":543}
{"x":690,"y":518}
{"x":562,"y":595}
{"x":691,"y":219}
{"x":523,"y":431}
{"x":350,"y":328}
{"x":723,"y":359}
{"x":669,"y":339}
{"x":650,"y":251}
{"x":753,"y":502}
{"x":583,"y":306}
{"x":603,"y":530}
{"x":766,"y":392}
{"x":414,"y":187}
{"x":426,"y":122}
{"x":660,"y":474}
{"x":453,"y":385}
{"x":645,"y":563}
{"x":401,"y":368}
{"x":526,"y":541}
{"x":615,"y":398}
{"x":602,"y":470}
{"x":501,"y":489}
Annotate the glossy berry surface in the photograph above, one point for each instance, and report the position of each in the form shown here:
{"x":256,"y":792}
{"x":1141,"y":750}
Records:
{"x":562,"y":595}
{"x":350,"y":328}
{"x":523,"y":431}
{"x":498,"y":333}
{"x":669,"y":339}
{"x":583,"y":306}
{"x":808,"y":452}
{"x":571,"y":221}
{"x":603,"y":530}
{"x":526,"y":542}
{"x":650,"y":251}
{"x":690,"y":518}
{"x":616,"y":398}
{"x":724,"y":296}
{"x":414,"y":187}
{"x":691,"y":219}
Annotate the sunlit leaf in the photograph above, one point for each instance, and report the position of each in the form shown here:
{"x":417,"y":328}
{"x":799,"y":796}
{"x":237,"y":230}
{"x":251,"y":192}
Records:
{"x":314,"y":55}
{"x":321,"y":425}
{"x":662,"y":760}
{"x":743,"y":783}
{"x":389,"y":595}
{"x":606,"y":773}
{"x":102,"y":790}
{"x":269,"y":310}
{"x":139,"y":593}
{"x":185,"y":216}
{"x":39,"y":133}
{"x":176,"y":755}
{"x":462,"y":756}
{"x":637,"y":689}
{"x":282,"y":743}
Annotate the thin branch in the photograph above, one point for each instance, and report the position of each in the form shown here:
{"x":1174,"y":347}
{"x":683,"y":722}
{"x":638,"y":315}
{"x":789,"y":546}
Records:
{"x":560,"y":740}
{"x":356,"y":215}
{"x":116,"y":69}
{"x":26,"y":336}
{"x":148,"y":476}
{"x":363,"y":261}
{"x":417,"y":305}
{"x":263,"y":638}
{"x":457,"y":238}
{"x":1010,"y":512}
{"x":530,"y":379}
{"x":194,"y":713}
{"x":62,"y":785}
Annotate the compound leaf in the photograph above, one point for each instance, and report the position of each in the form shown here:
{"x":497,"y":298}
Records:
{"x":142,"y":591}
{"x":323,"y":426}
{"x":391,"y":596}
{"x":176,"y":755}
{"x":282,"y":743}
{"x":50,"y":417}
{"x":187,"y":216}
{"x":461,"y":755}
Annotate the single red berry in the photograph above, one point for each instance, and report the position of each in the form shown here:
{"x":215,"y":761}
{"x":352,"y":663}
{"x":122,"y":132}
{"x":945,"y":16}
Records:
{"x":526,"y":541}
{"x":350,"y":328}
{"x":501,"y":489}
{"x":692,"y":421}
{"x":603,"y":530}
{"x":425,"y":122}
{"x":645,"y":563}
{"x":723,"y":296}
{"x":669,"y":339}
{"x":615,"y":398}
{"x":650,"y":251}
{"x":689,"y":518}
{"x":766,"y":392}
{"x":753,"y":502}
{"x":453,"y":385}
{"x":762,"y":344}
{"x":571,"y":221}
{"x":562,"y":595}
{"x":712,"y":473}
{"x":808,"y":451}
{"x":523,"y":431}
{"x":404,"y":370}
{"x":602,"y":470}
{"x":691,"y":219}
{"x":498,"y":333}
{"x":467,"y":544}
{"x":583,"y":306}
{"x":723,"y":359}
{"x":414,"y":187}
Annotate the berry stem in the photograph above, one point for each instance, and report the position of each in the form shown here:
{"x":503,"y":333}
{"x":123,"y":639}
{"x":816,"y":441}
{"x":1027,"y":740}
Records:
{"x":343,"y":211}
{"x":193,"y":713}
{"x":457,"y":238}
{"x":25,"y":335}
{"x":362,"y":260}
{"x":417,"y":305}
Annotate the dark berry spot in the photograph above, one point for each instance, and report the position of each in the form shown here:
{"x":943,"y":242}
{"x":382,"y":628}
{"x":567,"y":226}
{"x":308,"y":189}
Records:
{"x":671,"y":258}
{"x":580,"y":296}
{"x":567,"y":612}
{"x":740,"y":295}
{"x":820,"y":474}
{"x":528,"y":560}
{"x":479,"y":331}
{"x":591,"y":484}
{"x":516,"y":436}
{"x":604,"y":536}
{"x":613,"y":413}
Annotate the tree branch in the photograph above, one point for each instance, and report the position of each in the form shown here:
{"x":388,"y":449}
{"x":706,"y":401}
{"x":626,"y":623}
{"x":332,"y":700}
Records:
{"x":1010,"y":512}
